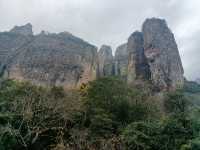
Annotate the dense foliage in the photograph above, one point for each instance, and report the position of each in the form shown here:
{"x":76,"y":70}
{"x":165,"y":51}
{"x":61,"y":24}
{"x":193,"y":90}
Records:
{"x":105,"y":114}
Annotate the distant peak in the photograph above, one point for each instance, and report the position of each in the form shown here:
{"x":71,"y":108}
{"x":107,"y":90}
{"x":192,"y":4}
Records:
{"x":155,"y":22}
{"x":44,"y":32}
{"x":105,"y":50}
{"x":24,"y":30}
{"x":66,"y":33}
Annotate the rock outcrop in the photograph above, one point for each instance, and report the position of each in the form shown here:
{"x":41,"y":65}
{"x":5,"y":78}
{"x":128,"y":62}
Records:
{"x":65,"y":60}
{"x":49,"y":59}
{"x":162,"y":54}
{"x":23,"y":30}
{"x":10,"y":44}
{"x":105,"y":61}
{"x":138,"y":67}
{"x":154,"y":56}
{"x":121,"y":61}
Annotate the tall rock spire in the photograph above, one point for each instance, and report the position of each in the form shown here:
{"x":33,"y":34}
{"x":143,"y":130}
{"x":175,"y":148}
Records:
{"x":121,"y":61}
{"x":137,"y":63}
{"x":105,"y":61}
{"x":154,"y":56}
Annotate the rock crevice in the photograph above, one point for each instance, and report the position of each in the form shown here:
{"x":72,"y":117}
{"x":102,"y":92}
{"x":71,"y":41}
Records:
{"x":65,"y":60}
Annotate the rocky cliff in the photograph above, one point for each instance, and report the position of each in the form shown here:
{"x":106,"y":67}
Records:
{"x":121,"y":61}
{"x":11,"y":43}
{"x":153,"y":56}
{"x":105,"y":61}
{"x":138,"y":67}
{"x":162,"y":54}
{"x":48,"y":59}
{"x":65,"y":60}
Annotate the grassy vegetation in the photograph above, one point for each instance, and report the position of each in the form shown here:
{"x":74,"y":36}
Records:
{"x":105,"y":114}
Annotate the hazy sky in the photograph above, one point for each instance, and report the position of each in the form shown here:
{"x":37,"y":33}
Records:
{"x":110,"y":21}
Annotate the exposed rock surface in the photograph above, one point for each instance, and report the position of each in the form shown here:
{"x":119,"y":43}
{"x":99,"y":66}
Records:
{"x":137,"y":63}
{"x":10,"y":44}
{"x":121,"y":60}
{"x":105,"y":61}
{"x":162,"y":53}
{"x":65,"y":60}
{"x":154,"y":56}
{"x":50,"y":59}
{"x":23,"y":30}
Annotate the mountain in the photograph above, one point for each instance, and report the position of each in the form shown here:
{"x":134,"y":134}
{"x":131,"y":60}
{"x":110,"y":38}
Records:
{"x":121,"y":61}
{"x":47,"y":59}
{"x":65,"y":60}
{"x":197,"y":80}
{"x":154,"y":55}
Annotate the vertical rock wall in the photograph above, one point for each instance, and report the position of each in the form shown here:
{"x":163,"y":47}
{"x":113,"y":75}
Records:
{"x":105,"y":61}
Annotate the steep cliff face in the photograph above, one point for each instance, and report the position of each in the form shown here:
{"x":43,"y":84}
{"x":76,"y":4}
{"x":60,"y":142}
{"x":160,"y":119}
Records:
{"x":154,"y":56}
{"x":65,"y":60}
{"x":138,"y":67}
{"x":11,"y":43}
{"x":121,"y":61}
{"x":105,"y":61}
{"x":162,"y":54}
{"x":53,"y":59}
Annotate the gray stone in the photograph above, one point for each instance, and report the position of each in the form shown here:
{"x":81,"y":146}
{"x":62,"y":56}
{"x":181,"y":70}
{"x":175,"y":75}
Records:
{"x":105,"y":61}
{"x":48,"y":59}
{"x":65,"y":60}
{"x":138,"y":67}
{"x":121,"y":61}
{"x":24,"y":30}
{"x":162,"y":53}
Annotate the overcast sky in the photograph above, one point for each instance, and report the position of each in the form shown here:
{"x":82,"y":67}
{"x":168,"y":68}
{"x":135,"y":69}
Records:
{"x":110,"y":21}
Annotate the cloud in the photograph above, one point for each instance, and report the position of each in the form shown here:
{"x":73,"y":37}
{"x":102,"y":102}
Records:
{"x":109,"y":21}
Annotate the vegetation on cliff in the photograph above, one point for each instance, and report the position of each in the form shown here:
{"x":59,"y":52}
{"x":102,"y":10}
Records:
{"x":105,"y":114}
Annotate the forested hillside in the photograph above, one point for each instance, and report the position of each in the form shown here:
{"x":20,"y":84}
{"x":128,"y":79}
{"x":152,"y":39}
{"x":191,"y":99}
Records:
{"x":105,"y":114}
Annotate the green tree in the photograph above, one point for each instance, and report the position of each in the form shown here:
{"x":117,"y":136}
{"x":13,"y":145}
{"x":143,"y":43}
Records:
{"x":142,"y":136}
{"x":111,"y":102}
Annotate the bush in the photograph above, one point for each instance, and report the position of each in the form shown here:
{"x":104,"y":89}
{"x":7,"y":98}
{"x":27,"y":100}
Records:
{"x":195,"y":144}
{"x":111,"y":105}
{"x":38,"y":117}
{"x":142,"y":136}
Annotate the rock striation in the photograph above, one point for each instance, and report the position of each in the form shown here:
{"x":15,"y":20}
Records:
{"x":63,"y":59}
{"x":154,"y":56}
{"x":105,"y":61}
{"x":48,"y":59}
{"x":138,"y":67}
{"x":121,"y":61}
{"x":162,"y":54}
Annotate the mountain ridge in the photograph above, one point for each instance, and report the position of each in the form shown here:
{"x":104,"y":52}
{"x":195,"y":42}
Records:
{"x":62,"y":59}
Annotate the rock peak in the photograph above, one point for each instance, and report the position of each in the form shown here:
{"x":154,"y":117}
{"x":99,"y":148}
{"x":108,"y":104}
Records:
{"x":66,"y":60}
{"x":105,"y":61}
{"x":162,"y":54}
{"x":121,"y":61}
{"x":24,"y":30}
{"x":106,"y":49}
